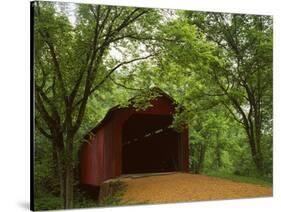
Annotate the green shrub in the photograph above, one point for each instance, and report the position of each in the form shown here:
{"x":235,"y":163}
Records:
{"x":84,"y":201}
{"x":48,"y":202}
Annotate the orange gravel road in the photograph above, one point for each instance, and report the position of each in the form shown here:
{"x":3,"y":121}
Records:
{"x":182,"y":187}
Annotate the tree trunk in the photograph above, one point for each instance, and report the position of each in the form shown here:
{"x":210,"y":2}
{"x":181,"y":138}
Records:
{"x":61,"y":175}
{"x":58,"y":152}
{"x":201,"y":157}
{"x":218,"y":160}
{"x":69,"y":174}
{"x":256,"y":153}
{"x":192,"y":155}
{"x":199,"y":154}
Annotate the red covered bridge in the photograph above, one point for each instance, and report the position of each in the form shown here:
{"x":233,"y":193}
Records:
{"x":130,"y":141}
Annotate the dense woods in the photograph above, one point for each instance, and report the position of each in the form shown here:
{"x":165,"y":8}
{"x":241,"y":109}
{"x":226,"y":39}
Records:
{"x":89,"y":58}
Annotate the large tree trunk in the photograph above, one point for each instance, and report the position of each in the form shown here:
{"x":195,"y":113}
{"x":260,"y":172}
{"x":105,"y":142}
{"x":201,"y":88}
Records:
{"x":69,"y":174}
{"x":61,"y":178}
{"x":218,"y":152}
{"x":64,"y":167}
{"x":58,"y":152}
{"x":256,"y":152}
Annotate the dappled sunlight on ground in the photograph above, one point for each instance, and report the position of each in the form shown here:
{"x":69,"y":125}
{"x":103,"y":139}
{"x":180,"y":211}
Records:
{"x":182,"y":187}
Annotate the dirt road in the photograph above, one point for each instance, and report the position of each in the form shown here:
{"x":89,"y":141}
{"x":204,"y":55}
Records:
{"x":182,"y":187}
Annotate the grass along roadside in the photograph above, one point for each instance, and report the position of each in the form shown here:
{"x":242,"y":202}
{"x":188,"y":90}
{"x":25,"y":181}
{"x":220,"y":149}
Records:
{"x":242,"y":179}
{"x":114,"y":199}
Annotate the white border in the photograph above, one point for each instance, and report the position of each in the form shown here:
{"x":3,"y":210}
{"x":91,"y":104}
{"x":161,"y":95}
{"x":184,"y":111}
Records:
{"x":14,"y":97}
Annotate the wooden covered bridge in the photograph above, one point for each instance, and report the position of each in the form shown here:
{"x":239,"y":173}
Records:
{"x":129,"y":141}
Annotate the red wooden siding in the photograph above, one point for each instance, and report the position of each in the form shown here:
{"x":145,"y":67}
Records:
{"x":108,"y":151}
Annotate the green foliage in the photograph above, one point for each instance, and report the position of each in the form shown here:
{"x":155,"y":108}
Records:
{"x":220,"y":62}
{"x":142,"y":100}
{"x":257,"y":180}
{"x":84,"y":201}
{"x":267,"y":146}
{"x":47,"y":202}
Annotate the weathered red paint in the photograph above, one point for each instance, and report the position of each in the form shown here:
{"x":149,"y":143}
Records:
{"x":101,"y":157}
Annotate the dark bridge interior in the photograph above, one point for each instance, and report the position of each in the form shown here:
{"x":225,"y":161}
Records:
{"x":149,"y":145}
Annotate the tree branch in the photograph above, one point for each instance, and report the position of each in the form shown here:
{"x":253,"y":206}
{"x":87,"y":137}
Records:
{"x":124,"y":86}
{"x":110,"y":72}
{"x":115,"y":68}
{"x":41,"y":130}
{"x":233,"y":114}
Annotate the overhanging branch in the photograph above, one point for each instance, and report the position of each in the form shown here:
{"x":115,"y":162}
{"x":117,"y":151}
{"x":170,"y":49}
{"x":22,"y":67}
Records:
{"x":110,"y":72}
{"x":124,"y":86}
